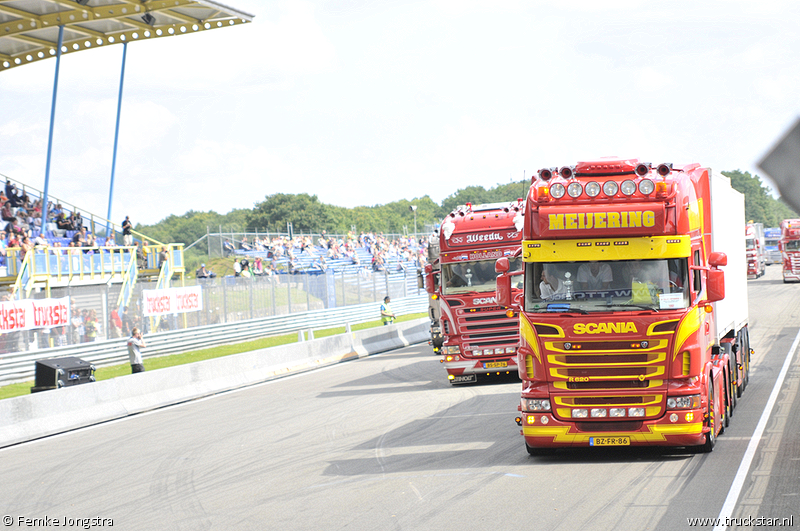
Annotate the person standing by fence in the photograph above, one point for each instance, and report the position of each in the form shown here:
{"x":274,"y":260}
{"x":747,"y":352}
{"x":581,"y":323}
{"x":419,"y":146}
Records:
{"x":135,"y":346}
{"x":127,"y":232}
{"x":387,"y":316}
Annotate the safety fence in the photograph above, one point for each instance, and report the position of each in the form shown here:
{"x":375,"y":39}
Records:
{"x":20,"y":366}
{"x":225,"y":300}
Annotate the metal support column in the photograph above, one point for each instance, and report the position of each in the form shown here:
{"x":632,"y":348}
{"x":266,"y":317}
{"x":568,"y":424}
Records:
{"x":52,"y":122}
{"x":116,"y":139}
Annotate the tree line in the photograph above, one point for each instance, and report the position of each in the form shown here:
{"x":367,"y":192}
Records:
{"x":308,"y":214}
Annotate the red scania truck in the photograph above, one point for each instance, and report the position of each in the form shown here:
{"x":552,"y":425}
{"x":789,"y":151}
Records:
{"x":790,"y":249}
{"x":480,"y":338}
{"x":633,"y":321}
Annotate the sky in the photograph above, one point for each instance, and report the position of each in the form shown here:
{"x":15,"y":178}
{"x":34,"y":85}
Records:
{"x":364,"y":102}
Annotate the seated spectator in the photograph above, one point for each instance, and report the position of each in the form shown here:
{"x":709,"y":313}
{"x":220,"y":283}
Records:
{"x":204,"y":273}
{"x":79,"y":238}
{"x":258,"y":267}
{"x":245,"y":246}
{"x":77,"y":221}
{"x":63,"y":222}
{"x":13,"y":227}
{"x":6,"y":212}
{"x":39,"y":241}
{"x":91,"y":242}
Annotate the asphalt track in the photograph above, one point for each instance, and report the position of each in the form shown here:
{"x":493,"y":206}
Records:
{"x":386,"y":443}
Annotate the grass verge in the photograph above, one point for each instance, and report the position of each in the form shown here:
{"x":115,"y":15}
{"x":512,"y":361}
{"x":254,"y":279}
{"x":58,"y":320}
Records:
{"x":113,"y":371}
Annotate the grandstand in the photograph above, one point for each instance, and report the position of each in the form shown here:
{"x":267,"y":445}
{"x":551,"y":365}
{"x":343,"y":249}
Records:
{"x":298,"y":274}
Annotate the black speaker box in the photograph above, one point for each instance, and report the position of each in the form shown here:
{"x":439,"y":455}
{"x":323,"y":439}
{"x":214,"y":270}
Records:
{"x":55,"y":373}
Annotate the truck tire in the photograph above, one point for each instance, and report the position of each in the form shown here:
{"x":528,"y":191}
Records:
{"x":728,"y":402}
{"x":733,"y":388}
{"x":711,"y":437}
{"x":744,"y":359}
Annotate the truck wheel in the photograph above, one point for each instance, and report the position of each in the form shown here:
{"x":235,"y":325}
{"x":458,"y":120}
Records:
{"x":733,"y":388}
{"x":728,"y":403}
{"x":711,"y":437}
{"x":538,"y":452}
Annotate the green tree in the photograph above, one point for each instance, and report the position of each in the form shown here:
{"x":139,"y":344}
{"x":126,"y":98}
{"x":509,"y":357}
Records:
{"x":303,"y":211}
{"x":759,"y":205}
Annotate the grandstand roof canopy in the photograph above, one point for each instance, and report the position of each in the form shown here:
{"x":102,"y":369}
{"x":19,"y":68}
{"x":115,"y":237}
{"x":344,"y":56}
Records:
{"x":29,"y":28}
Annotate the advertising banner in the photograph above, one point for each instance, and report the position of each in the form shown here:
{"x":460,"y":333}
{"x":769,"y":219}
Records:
{"x":29,"y":314}
{"x":172,"y":300}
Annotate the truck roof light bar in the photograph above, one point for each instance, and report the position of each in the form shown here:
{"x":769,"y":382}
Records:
{"x":574,"y":189}
{"x":592,"y":189}
{"x":627,"y":187}
{"x":646,"y":186}
{"x":557,"y":190}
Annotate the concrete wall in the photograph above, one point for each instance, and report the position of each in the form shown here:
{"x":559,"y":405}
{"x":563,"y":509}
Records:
{"x":46,"y":413}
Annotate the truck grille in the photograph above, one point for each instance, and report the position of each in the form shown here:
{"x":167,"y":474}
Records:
{"x":597,"y":367}
{"x":487,"y":326}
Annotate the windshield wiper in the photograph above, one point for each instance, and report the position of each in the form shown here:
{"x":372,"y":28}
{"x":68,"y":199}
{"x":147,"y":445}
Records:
{"x":564,"y":308}
{"x":641,"y":307}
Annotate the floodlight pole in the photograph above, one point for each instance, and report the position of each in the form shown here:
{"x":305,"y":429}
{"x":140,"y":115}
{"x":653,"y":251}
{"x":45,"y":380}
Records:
{"x":50,"y":138}
{"x":116,"y":139}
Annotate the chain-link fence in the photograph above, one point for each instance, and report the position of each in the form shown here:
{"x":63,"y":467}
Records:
{"x":225,"y":300}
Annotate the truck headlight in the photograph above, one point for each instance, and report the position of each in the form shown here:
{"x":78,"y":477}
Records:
{"x":683,"y":402}
{"x":535,"y":404}
{"x":452,"y":350}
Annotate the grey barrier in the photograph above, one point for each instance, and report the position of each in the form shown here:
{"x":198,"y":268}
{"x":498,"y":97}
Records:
{"x":29,"y":417}
{"x":20,"y":366}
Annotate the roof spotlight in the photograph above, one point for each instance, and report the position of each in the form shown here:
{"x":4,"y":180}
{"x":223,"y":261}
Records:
{"x":664,"y":169}
{"x":642,"y":169}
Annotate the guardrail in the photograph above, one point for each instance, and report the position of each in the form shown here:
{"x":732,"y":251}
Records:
{"x":20,"y":366}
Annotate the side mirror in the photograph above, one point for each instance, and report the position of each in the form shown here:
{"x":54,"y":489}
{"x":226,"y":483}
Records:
{"x":430,"y":287}
{"x":504,"y":288}
{"x":717,"y":259}
{"x":501,"y":266}
{"x":716,"y":285}
{"x":428,"y":269}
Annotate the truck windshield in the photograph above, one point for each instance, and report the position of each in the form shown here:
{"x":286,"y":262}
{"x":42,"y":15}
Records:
{"x":750,"y":244}
{"x":602,"y":286}
{"x":468,"y":277}
{"x":792,"y":245}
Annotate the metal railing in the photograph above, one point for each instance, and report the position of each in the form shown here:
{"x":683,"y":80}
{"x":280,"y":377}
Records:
{"x":225,"y":300}
{"x":20,"y":366}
